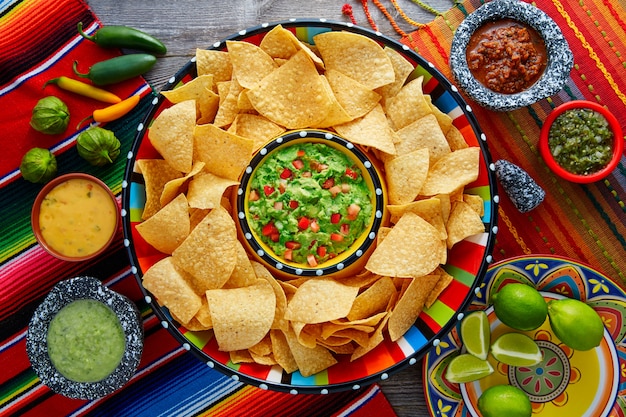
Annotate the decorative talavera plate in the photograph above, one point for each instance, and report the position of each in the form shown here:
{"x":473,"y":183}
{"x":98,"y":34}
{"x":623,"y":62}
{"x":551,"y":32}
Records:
{"x":567,"y":382}
{"x":467,"y":260}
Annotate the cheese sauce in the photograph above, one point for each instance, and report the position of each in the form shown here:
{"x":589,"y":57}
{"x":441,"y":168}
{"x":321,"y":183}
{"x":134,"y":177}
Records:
{"x":77,"y":217}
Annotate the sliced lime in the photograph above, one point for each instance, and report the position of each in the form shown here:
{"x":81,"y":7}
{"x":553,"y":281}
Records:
{"x":475,"y":333}
{"x":516,"y":349}
{"x":467,"y":368}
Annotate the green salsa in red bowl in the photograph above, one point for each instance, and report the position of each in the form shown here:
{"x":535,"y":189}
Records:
{"x":581,"y":141}
{"x":310,"y":204}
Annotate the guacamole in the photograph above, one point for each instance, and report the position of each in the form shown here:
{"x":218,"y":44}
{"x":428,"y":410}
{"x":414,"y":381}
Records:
{"x":308,"y":202}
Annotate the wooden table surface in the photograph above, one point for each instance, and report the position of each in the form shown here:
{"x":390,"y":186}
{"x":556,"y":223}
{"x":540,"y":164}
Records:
{"x":184,"y":25}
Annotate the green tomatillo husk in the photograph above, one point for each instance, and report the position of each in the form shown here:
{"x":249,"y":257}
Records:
{"x":50,"y":116}
{"x":98,"y":146}
{"x":38,"y":165}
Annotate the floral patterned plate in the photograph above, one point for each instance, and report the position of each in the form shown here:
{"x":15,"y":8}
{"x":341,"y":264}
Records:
{"x":566,"y":382}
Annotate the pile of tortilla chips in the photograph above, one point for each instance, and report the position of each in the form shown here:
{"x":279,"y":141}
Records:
{"x":242,"y":98}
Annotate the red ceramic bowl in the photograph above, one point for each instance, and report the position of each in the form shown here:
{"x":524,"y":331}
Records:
{"x":618,"y":142}
{"x":104,"y":213}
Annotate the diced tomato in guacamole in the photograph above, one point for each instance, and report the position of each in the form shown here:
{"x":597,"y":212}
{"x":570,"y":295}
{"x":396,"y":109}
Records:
{"x":322,"y":206}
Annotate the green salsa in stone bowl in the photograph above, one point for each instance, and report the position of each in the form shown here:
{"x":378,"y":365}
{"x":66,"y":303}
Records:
{"x":84,"y":340}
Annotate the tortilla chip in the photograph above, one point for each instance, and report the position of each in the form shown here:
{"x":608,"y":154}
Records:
{"x":445,"y":279}
{"x":171,"y":134}
{"x":170,"y":285}
{"x":410,"y":305}
{"x":373,"y":300}
{"x":305,"y":338}
{"x":209,"y":253}
{"x":402,"y":68}
{"x":243,"y":275}
{"x":207,"y":105}
{"x":204,"y":314}
{"x":382,"y":234}
{"x":285,"y":96}
{"x":228,"y":105}
{"x":311,"y":303}
{"x":216,"y":63}
{"x":258,"y":128}
{"x":156,"y":173}
{"x":423,"y":133}
{"x":428,"y":209}
{"x":356,"y":99}
{"x":240,"y":356}
{"x":267,"y":360}
{"x":206,"y":190}
{"x":455,"y":139}
{"x":241,"y":316}
{"x":225,"y":155}
{"x":370,"y":130}
{"x":346,"y":52}
{"x":282,"y":352}
{"x":444,"y":120}
{"x":463,"y":222}
{"x":363,"y":279}
{"x":453,"y":171}
{"x":278,"y":43}
{"x":173,"y":187}
{"x":336,"y":113}
{"x":250,"y":63}
{"x":411,"y":249}
{"x":243,"y":103}
{"x":476,"y":202}
{"x":309,"y":361}
{"x":166,"y":230}
{"x":193,"y":90}
{"x":408,"y":105}
{"x":261,"y":272}
{"x":406,"y":175}
{"x":374,"y":340}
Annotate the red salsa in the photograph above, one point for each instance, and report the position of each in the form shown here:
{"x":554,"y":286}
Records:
{"x":506,"y":56}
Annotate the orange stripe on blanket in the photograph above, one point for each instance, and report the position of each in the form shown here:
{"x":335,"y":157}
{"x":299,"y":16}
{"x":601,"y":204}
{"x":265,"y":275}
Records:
{"x":592,"y":53}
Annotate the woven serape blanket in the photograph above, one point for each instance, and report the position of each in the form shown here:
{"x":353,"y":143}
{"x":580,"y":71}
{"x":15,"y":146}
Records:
{"x":39,"y":41}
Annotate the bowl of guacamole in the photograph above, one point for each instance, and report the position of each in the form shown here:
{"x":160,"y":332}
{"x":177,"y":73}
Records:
{"x":581,"y":141}
{"x":84,"y":340}
{"x":310,"y":204}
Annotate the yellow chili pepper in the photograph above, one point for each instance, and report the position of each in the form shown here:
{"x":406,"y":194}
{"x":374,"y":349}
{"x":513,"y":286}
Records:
{"x":84,"y":89}
{"x":114,"y":111}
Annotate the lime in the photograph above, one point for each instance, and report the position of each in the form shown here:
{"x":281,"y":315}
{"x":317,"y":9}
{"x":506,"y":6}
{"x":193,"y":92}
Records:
{"x":516,"y":349}
{"x":520,"y":306}
{"x":475,"y":333}
{"x":467,"y":368}
{"x":575,"y":323}
{"x":504,"y":400}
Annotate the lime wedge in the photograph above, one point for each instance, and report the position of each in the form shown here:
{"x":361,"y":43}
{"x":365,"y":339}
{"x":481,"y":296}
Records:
{"x":476,"y":334}
{"x":467,"y":368}
{"x":516,"y":349}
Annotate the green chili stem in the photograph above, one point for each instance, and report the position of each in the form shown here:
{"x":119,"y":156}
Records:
{"x":75,"y":68}
{"x":83,"y":34}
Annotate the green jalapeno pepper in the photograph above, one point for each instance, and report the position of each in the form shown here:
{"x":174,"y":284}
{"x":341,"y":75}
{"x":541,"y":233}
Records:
{"x":118,"y":69}
{"x":124,"y":37}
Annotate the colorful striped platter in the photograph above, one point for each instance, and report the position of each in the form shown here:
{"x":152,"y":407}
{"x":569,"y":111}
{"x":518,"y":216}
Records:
{"x":467,"y":261}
